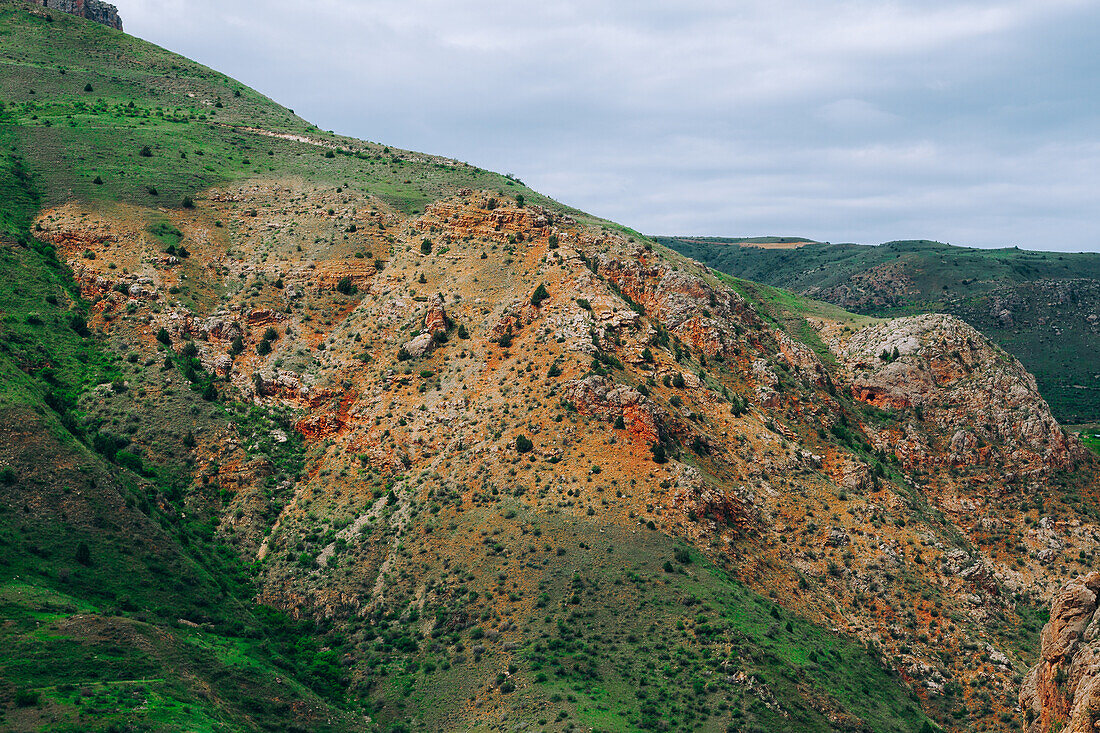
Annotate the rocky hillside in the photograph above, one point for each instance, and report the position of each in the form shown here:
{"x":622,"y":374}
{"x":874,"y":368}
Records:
{"x":93,"y":10}
{"x":343,"y":437}
{"x":1042,"y":307}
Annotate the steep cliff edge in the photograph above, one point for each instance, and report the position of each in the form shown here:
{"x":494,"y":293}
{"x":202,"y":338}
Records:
{"x":1062,"y":692}
{"x":93,"y":10}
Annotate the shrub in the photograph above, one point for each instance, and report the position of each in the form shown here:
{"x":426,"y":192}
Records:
{"x":330,"y":154}
{"x":189,"y":350}
{"x":346,"y":286}
{"x":523,"y":444}
{"x":237,"y":346}
{"x":539,"y":295}
{"x":26,"y":698}
{"x":163,"y":337}
{"x":83,"y":554}
{"x":88,"y":88}
{"x":188,"y":202}
{"x":271,"y":334}
{"x":519,"y":200}
{"x":130,"y":461}
{"x":7,"y":475}
{"x":462,"y":332}
{"x":658,"y":452}
{"x":147,"y":152}
{"x":263,"y":348}
{"x":97,"y":181}
{"x":426,"y":247}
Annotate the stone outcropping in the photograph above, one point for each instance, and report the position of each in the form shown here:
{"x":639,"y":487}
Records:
{"x":93,"y":10}
{"x":954,"y":381}
{"x":1062,"y":692}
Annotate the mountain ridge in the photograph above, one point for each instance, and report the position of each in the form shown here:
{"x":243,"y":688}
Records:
{"x":362,"y":439}
{"x":1044,"y":307}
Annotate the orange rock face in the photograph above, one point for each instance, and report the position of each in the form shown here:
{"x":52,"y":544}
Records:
{"x":1062,"y":692}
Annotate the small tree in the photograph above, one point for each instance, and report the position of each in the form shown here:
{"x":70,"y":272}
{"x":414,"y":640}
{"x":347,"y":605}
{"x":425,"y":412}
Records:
{"x":346,"y":286}
{"x":523,"y":444}
{"x":519,"y":200}
{"x":83,"y":554}
{"x":426,"y":247}
{"x":163,"y":337}
{"x":147,"y":152}
{"x":271,"y":334}
{"x":263,"y":348}
{"x":539,"y":295}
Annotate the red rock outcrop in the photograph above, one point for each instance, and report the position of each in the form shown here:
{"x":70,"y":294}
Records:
{"x":601,"y":397}
{"x":1062,"y":692}
{"x":963,"y":392}
{"x":94,"y":10}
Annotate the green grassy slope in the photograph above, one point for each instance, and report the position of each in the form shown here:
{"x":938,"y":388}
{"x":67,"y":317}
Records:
{"x":1033,"y":304}
{"x":120,"y":608}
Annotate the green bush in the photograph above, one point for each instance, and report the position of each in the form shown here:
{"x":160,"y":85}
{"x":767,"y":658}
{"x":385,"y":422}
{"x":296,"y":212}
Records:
{"x":26,"y":698}
{"x":523,"y":444}
{"x":539,"y":295}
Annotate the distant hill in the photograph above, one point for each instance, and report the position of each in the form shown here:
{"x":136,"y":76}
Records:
{"x":1042,"y":307}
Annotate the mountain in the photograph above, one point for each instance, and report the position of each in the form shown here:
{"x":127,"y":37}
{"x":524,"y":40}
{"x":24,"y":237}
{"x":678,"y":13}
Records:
{"x":1041,"y":307}
{"x":302,"y":432}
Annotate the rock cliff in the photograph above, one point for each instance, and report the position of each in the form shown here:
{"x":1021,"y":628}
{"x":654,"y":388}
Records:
{"x":94,"y":10}
{"x":1062,"y":691}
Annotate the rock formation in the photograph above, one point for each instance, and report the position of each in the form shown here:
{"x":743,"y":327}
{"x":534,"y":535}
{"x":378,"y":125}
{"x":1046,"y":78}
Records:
{"x":94,"y":10}
{"x":1062,"y":691}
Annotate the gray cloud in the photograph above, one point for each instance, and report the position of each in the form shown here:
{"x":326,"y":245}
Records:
{"x":970,"y":122}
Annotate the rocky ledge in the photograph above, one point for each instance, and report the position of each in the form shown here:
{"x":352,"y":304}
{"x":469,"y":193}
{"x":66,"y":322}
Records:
{"x":1062,"y":691}
{"x":94,"y":10}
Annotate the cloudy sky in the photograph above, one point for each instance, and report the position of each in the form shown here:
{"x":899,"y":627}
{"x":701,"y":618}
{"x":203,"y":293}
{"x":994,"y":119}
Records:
{"x":975,"y":123}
